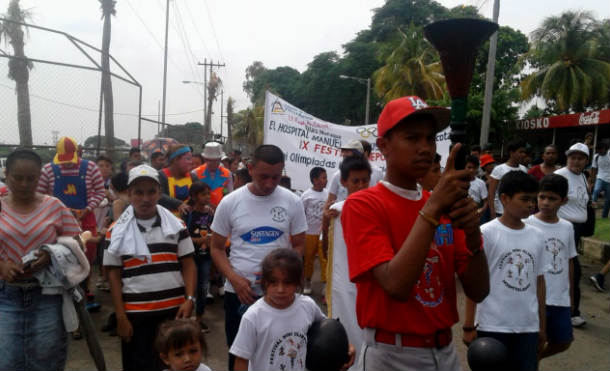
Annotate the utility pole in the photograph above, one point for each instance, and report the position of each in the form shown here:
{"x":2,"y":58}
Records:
{"x":205,"y":64}
{"x":489,"y":79}
{"x":222,"y":92}
{"x":165,"y":62}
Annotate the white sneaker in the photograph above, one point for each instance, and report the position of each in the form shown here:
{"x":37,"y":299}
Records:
{"x":307,"y":288}
{"x":578,"y":321}
{"x":221,"y":291}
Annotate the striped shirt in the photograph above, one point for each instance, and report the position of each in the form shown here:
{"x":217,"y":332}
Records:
{"x":21,"y":233}
{"x":93,"y":180}
{"x":157,"y":286}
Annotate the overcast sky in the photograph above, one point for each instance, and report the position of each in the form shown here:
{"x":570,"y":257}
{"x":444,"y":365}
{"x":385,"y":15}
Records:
{"x":236,"y":33}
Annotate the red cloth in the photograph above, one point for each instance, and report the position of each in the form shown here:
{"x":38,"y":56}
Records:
{"x":536,"y":172}
{"x":376,"y":222}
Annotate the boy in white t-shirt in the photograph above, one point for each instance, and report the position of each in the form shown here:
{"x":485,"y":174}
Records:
{"x":478,"y":188}
{"x":560,"y":250}
{"x":340,"y":291}
{"x":313,"y":201}
{"x":273,"y":332}
{"x":517,"y":154}
{"x":259,"y":217}
{"x":514,"y":311}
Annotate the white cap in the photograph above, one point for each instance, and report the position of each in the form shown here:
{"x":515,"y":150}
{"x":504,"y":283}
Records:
{"x":578,"y":147}
{"x":353,"y":144}
{"x":143,"y":171}
{"x":212,"y":151}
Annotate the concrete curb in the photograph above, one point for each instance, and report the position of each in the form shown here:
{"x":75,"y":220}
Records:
{"x":596,"y":249}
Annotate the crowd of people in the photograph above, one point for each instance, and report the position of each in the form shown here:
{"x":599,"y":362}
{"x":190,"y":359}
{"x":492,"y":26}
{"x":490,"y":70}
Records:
{"x":390,"y":246}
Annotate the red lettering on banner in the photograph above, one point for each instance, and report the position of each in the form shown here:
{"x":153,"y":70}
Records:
{"x":304,"y":144}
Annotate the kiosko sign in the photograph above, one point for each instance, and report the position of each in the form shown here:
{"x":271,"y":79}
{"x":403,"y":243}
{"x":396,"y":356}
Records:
{"x":562,"y":121}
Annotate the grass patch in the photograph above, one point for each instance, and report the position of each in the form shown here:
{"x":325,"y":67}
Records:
{"x":602,"y":229}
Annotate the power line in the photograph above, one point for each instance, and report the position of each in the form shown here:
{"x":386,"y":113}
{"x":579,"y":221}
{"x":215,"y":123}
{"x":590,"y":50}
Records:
{"x":190,"y":16}
{"x":213,"y":29}
{"x":75,"y":106}
{"x":186,"y":44}
{"x":152,"y":35}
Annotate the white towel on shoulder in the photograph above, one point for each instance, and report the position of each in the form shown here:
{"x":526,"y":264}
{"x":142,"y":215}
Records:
{"x":126,"y":238}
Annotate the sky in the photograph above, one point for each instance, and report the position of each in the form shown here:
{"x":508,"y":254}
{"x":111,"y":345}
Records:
{"x":230,"y":32}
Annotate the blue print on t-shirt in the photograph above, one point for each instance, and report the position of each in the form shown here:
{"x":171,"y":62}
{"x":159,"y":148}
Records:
{"x":443,"y":235}
{"x":262,"y":235}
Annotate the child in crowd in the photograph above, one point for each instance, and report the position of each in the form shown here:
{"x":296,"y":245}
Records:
{"x":559,"y":250}
{"x":273,"y":332}
{"x":478,"y":188}
{"x":118,"y":186}
{"x":515,"y":256}
{"x":313,"y":202}
{"x":242,"y":177}
{"x":181,"y":344}
{"x":198,"y":222}
{"x":341,"y":292}
{"x":517,"y":154}
{"x":428,"y":181}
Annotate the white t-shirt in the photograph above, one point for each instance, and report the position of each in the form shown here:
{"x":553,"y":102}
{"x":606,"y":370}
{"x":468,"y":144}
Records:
{"x":313,"y":203}
{"x":575,"y":210}
{"x":515,"y":259}
{"x":602,"y":164}
{"x":276,"y":339}
{"x":343,"y":291}
{"x":257,"y":225}
{"x":559,"y":248}
{"x":340,"y":191}
{"x":497,"y":173}
{"x":477,"y":190}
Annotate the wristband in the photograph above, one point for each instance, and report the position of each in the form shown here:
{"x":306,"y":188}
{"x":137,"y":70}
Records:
{"x":429,"y":218}
{"x":471,"y":328}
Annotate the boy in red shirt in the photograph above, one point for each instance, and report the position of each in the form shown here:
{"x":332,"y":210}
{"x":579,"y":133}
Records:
{"x":405,"y":245}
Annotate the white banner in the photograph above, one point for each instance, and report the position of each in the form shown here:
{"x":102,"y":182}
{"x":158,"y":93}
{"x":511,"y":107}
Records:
{"x":308,"y":142}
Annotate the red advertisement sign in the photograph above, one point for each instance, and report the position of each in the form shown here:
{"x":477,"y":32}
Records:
{"x":562,"y":121}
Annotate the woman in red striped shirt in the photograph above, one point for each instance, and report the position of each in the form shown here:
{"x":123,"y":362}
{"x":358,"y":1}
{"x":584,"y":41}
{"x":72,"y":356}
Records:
{"x":32,"y":332}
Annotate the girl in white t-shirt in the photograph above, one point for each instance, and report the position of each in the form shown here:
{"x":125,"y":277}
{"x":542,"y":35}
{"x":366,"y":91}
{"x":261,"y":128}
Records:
{"x":272,"y":334}
{"x":180,"y":344}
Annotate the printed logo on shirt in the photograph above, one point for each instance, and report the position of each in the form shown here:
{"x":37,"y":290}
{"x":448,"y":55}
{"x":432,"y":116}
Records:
{"x":288,"y":352}
{"x":317,"y":208}
{"x":429,"y":290}
{"x":262,"y":235}
{"x":443,"y":235}
{"x":517,"y":265}
{"x":70,"y":190}
{"x":278,"y":214}
{"x":554,"y":246}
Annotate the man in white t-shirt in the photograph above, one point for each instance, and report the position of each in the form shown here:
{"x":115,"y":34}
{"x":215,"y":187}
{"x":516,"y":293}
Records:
{"x":559,"y":251}
{"x":516,"y":153}
{"x":313,"y":201}
{"x":600,"y":171}
{"x":337,"y":192}
{"x":259,"y":218}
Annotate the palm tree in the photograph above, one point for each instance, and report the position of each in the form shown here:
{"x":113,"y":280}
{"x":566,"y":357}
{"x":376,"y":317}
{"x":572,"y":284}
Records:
{"x":570,"y":75}
{"x":108,"y":10}
{"x":19,"y":68}
{"x":230,"y":119}
{"x":248,"y":129}
{"x":212,"y":87}
{"x":412,"y":68}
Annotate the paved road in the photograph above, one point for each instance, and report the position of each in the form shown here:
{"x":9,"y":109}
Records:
{"x":588,"y":352}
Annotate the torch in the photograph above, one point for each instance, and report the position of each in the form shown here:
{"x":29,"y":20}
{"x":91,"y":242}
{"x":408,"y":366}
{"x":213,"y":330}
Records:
{"x":457,"y":41}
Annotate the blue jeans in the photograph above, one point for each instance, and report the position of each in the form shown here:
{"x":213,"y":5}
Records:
{"x":204,"y":264}
{"x":522,"y":348}
{"x":32,"y":332}
{"x":602,"y":185}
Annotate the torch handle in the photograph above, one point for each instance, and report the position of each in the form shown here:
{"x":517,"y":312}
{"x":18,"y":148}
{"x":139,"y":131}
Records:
{"x":459,"y":107}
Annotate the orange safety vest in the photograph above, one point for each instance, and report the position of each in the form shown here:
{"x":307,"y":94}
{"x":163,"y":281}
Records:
{"x":218,"y":183}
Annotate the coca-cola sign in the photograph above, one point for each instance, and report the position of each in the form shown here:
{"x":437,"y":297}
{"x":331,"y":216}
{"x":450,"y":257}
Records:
{"x":589,"y":118}
{"x":563,"y":121}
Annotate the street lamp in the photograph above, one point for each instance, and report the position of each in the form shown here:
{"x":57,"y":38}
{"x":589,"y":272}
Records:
{"x":366,"y":82}
{"x":202,"y":84}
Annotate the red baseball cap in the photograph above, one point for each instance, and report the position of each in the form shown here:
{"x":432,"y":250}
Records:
{"x":396,"y":110}
{"x":486,"y":160}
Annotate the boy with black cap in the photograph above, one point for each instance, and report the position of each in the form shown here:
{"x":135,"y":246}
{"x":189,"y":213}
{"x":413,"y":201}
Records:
{"x":405,"y":245}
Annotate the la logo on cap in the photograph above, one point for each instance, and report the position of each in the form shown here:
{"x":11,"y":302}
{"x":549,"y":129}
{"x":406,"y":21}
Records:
{"x":417,"y":103}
